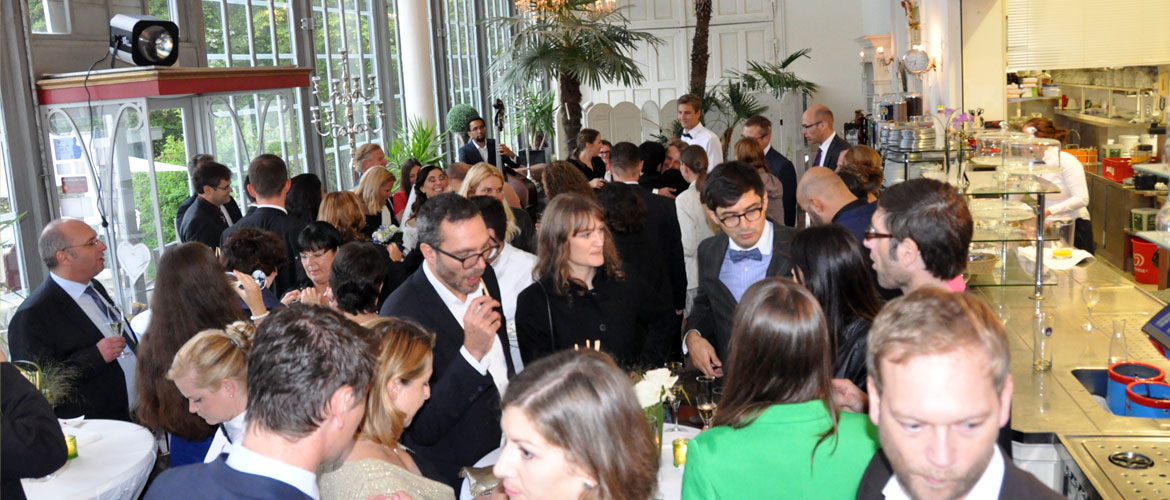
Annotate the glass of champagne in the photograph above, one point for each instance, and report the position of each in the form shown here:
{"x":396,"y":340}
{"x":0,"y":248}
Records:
{"x":676,"y":369}
{"x":705,"y":400}
{"x":116,"y":327}
{"x":1091,"y":296}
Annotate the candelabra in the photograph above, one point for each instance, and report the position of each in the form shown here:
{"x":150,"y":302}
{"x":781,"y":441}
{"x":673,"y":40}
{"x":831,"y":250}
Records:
{"x":346,"y":94}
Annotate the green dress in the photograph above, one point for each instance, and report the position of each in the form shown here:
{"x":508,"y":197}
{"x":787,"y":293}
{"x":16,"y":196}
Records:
{"x":770,"y":458}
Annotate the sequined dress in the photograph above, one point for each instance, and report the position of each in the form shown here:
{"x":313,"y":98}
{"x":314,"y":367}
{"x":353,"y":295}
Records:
{"x":361,"y":479}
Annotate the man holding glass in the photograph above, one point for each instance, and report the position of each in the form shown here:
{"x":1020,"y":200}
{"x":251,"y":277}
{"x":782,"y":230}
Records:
{"x":71,"y":320}
{"x":750,"y":249}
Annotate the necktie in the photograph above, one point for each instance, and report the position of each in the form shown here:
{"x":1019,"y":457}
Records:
{"x":817,"y":161}
{"x":114,"y":316}
{"x":688,"y":136}
{"x":740,"y":255}
{"x":225,"y":433}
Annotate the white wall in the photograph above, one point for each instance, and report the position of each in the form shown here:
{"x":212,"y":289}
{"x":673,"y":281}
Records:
{"x":983,"y":57}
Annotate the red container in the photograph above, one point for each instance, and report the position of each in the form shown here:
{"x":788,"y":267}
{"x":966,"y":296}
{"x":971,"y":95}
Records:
{"x":1145,"y":265}
{"x":1117,"y":169}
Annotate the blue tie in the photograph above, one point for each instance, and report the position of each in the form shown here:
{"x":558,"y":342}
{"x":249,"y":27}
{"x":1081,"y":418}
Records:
{"x":739,"y":255}
{"x":115,"y":317}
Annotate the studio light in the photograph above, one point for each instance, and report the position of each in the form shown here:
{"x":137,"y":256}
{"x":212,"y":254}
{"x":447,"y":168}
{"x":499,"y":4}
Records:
{"x":144,"y":40}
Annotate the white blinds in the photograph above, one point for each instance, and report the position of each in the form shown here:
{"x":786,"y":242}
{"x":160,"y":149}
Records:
{"x":1067,"y":34}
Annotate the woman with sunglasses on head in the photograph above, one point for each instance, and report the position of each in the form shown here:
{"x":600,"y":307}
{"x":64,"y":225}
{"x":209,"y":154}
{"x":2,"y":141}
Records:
{"x":582,"y":296}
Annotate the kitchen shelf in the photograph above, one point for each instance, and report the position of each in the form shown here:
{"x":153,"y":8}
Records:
{"x":1099,"y":120}
{"x":1029,"y":99}
{"x":1099,"y":87}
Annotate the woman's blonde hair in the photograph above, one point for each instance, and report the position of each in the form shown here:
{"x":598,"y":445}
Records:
{"x":368,"y":186}
{"x":213,"y":355}
{"x":479,"y":173}
{"x":404,"y":348}
{"x":343,"y":209}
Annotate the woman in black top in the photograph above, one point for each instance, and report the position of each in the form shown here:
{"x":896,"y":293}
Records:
{"x":586,"y":157}
{"x":828,"y":261}
{"x":583,"y":296}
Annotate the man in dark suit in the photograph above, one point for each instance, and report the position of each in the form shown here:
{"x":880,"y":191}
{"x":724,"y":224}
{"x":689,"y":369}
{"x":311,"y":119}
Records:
{"x":231,"y":210}
{"x":940,"y":388}
{"x":69,"y":319}
{"x":760,"y":128}
{"x":750,"y":249}
{"x":309,"y":372}
{"x":480,"y":148}
{"x":625,"y":160}
{"x":817,"y":127}
{"x":454,"y":294}
{"x":206,"y":221}
{"x":268,"y":182}
{"x":33,"y":444}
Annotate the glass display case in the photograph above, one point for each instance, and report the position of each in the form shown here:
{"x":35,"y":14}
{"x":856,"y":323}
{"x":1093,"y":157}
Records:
{"x":1026,"y":155}
{"x":988,"y":148}
{"x":1004,"y":222}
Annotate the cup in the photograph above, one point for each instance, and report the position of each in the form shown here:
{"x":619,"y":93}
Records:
{"x":1118,"y":349}
{"x":1042,"y":345}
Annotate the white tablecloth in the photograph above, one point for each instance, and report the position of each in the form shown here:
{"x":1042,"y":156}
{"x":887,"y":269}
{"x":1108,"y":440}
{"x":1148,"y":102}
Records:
{"x":669,"y":477}
{"x":114,"y":458}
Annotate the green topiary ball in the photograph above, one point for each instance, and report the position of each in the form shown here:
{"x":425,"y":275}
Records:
{"x":459,"y":117}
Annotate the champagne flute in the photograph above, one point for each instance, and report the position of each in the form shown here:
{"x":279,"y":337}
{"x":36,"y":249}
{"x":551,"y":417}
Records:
{"x":676,"y":369}
{"x":116,"y":327}
{"x":1091,"y":296}
{"x":705,"y":399}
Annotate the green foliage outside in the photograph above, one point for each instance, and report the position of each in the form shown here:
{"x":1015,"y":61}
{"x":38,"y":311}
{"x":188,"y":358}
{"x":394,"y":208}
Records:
{"x":172,"y":190}
{"x":421,"y":140}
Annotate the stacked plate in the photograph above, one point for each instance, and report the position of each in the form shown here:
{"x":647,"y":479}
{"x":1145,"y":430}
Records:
{"x":917,"y":138}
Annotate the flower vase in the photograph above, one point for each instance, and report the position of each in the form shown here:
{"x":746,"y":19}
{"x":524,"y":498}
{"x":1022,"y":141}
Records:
{"x":655,"y":418}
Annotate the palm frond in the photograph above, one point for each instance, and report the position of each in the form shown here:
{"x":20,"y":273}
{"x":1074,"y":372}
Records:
{"x":775,"y":77}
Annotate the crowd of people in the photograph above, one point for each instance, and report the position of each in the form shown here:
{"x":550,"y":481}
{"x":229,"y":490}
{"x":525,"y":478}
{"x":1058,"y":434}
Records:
{"x":303,"y":350}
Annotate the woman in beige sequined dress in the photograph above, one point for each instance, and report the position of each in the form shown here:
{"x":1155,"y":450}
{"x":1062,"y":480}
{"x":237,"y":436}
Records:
{"x":378,"y":464}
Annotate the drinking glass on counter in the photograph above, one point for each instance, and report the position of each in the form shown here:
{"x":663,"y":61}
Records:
{"x":705,"y":400}
{"x":1042,"y":341}
{"x":1091,"y":296}
{"x":1118,"y":348}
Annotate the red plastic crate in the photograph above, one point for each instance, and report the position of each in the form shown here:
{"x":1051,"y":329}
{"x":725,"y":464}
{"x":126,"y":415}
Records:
{"x":1117,"y":169}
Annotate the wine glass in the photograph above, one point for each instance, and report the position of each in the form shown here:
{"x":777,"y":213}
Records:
{"x":676,"y":369}
{"x":1091,"y":296}
{"x":705,"y":400}
{"x":116,"y":327}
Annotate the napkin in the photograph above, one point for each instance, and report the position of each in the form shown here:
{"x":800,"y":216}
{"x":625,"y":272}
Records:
{"x":1027,"y":256}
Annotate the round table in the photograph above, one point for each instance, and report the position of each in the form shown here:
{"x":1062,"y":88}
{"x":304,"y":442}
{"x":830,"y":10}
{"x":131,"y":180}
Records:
{"x":669,"y":476}
{"x":114,"y":458}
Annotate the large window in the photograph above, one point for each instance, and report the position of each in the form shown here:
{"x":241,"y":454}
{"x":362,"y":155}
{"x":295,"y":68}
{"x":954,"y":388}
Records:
{"x":11,"y":258}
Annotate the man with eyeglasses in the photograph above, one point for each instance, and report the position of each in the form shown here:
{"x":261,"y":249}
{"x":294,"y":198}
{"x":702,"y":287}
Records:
{"x":455,"y":295}
{"x":71,"y":320}
{"x":919,"y":236}
{"x":817,"y":126}
{"x":750,"y":249}
{"x":230,"y":210}
{"x":206,"y":220}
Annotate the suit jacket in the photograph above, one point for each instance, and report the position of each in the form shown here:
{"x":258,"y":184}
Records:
{"x":215,"y":480}
{"x":288,"y":228}
{"x":203,"y":223}
{"x":50,"y":326}
{"x":231,"y":206}
{"x":469,"y":154}
{"x":33,"y":444}
{"x":714,"y":306}
{"x":662,"y":228}
{"x":838,"y":145}
{"x":1017,"y":484}
{"x":784,"y":170}
{"x":461,"y":422}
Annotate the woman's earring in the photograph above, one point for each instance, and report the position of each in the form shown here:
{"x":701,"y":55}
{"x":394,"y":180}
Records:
{"x":589,"y":485}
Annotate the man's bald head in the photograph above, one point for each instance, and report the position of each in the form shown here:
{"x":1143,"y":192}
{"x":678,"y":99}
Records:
{"x":817,"y":123}
{"x":821,"y":112}
{"x":822,"y":193}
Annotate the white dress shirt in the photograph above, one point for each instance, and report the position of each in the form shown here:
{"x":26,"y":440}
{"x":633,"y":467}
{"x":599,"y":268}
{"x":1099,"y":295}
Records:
{"x":282,"y":209}
{"x":250,"y":462}
{"x":514,"y":271}
{"x":706,"y":139}
{"x":222,"y":443}
{"x":986,"y":488}
{"x":1072,"y":201}
{"x":76,"y":291}
{"x":493,"y":362}
{"x":824,"y":147}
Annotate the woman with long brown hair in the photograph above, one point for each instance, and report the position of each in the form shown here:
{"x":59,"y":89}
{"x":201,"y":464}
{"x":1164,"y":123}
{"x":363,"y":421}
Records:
{"x":749,"y":151}
{"x":778,"y":396}
{"x":582,"y":295}
{"x":191,"y":294}
{"x":575,"y":430}
{"x":344,"y":211}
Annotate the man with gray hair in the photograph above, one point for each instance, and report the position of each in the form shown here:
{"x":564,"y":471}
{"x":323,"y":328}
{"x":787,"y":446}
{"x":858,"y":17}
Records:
{"x":455,"y":295}
{"x":309,"y":373}
{"x":71,"y":320}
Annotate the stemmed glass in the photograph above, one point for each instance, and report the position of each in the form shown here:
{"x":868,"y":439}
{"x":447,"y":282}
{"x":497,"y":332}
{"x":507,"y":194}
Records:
{"x":116,"y":327}
{"x":1091,"y":296}
{"x":676,"y":369}
{"x":705,"y":399}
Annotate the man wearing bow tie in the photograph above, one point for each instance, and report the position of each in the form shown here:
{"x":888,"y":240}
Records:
{"x":690,"y":109}
{"x":71,"y":320}
{"x":750,"y":249}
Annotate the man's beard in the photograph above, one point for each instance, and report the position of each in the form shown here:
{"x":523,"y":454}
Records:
{"x":453,"y":279}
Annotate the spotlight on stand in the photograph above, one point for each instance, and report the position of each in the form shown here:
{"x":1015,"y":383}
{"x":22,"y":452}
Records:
{"x":144,"y":40}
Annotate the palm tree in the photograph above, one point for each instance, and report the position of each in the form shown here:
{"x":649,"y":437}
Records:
{"x":574,"y":43}
{"x":736,"y":101}
{"x":699,"y":50}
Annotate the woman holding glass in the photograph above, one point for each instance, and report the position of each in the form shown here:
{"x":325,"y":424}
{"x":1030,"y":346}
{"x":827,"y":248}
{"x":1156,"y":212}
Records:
{"x":319,"y":242}
{"x":378,"y":464}
{"x":211,"y":371}
{"x":574,"y":429}
{"x":777,"y":428}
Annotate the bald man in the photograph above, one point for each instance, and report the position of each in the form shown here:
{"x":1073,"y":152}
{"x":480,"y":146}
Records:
{"x":817,"y":126}
{"x":824,"y":196}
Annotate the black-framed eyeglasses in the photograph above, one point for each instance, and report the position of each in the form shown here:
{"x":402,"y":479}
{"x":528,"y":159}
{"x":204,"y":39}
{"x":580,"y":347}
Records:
{"x":469,"y":261}
{"x":751,"y":215}
{"x":316,"y":255}
{"x":91,"y":243}
{"x":811,"y":125}
{"x":871,"y":234}
{"x":223,"y":188}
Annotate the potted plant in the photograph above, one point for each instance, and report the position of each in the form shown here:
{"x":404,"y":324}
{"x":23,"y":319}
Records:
{"x":537,"y":113}
{"x":421,"y":140}
{"x":459,"y":119}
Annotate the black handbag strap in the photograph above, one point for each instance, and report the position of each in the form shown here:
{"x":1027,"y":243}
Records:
{"x":552,"y":338}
